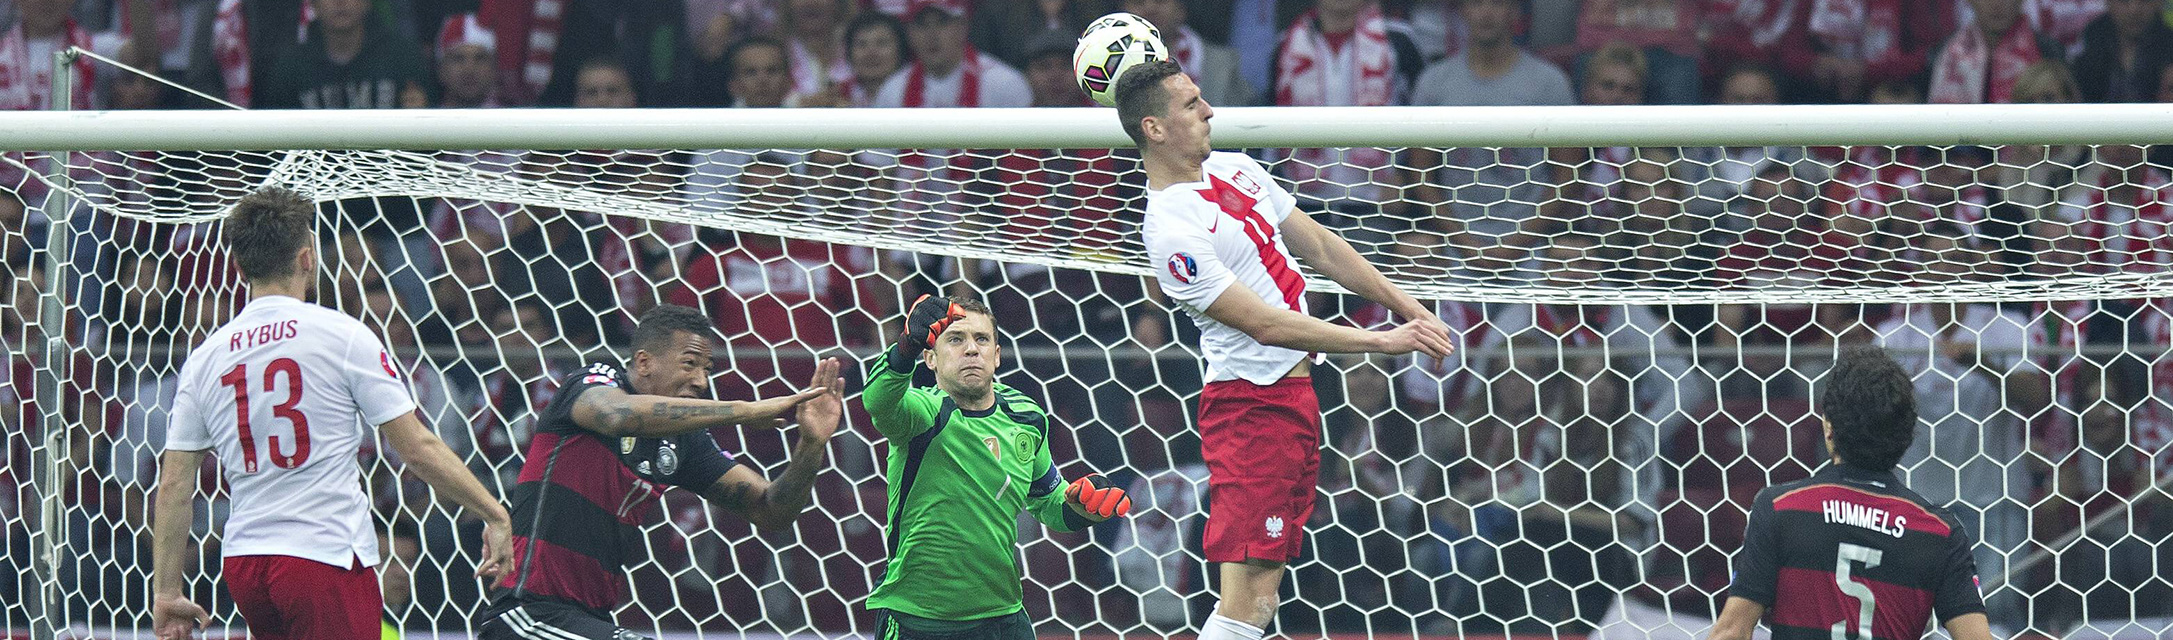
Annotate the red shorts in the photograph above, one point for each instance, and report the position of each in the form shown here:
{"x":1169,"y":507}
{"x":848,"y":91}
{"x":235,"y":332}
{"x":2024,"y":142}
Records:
{"x":1262,"y":448}
{"x":287,"y":597}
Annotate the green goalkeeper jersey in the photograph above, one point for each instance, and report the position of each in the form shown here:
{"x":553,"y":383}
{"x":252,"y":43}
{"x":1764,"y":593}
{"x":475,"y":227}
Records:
{"x":958,"y":480}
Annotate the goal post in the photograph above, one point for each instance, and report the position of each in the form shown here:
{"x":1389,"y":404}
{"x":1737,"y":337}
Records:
{"x":1645,"y":299}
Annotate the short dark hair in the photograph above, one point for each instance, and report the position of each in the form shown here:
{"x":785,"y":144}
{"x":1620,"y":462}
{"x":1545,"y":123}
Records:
{"x":731,"y":54}
{"x":1140,"y":95}
{"x":653,"y":332}
{"x":1871,"y":404}
{"x":879,"y":20}
{"x":266,"y":229}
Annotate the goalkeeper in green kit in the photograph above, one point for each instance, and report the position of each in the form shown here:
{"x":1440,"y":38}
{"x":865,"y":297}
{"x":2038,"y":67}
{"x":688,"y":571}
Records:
{"x":966,"y":456}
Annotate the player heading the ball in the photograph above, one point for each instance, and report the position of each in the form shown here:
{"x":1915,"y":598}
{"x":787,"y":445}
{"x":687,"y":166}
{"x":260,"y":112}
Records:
{"x":283,"y":394}
{"x":1849,"y":552}
{"x":603,"y":447}
{"x":1225,"y":239}
{"x":966,"y":456}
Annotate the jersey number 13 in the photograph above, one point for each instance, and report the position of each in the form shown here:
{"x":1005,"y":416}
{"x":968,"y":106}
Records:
{"x":291,"y":371}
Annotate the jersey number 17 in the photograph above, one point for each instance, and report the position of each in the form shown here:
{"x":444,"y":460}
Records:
{"x":239,"y":379}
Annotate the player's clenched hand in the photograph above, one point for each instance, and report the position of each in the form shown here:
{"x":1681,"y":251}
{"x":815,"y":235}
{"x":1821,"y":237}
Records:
{"x":1097,"y":498}
{"x":176,"y":618}
{"x":926,"y":319}
{"x":497,"y":551}
{"x":1430,"y":337}
{"x":818,"y":417}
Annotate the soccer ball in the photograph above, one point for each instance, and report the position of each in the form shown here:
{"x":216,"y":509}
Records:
{"x":1109,"y":46}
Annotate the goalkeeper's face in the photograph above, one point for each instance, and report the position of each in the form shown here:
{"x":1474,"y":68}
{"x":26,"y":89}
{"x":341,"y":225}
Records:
{"x":966,"y":356}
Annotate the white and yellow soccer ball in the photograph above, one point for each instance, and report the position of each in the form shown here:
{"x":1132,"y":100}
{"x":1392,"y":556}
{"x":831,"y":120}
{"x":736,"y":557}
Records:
{"x":1109,"y":46}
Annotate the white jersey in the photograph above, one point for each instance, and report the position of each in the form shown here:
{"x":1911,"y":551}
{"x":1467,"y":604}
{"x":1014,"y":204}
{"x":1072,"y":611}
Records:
{"x":1222,"y":230}
{"x":286,"y":394}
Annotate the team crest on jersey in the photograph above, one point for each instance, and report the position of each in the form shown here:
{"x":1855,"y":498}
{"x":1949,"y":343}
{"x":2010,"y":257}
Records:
{"x":1183,"y":267}
{"x":385,"y":360}
{"x":1025,"y":444}
{"x":667,"y":459}
{"x":1275,"y":526}
{"x":1245,"y":183}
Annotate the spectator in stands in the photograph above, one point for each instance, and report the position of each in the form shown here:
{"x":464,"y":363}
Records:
{"x":1789,"y":245}
{"x":1974,"y":381}
{"x":812,"y":32}
{"x":2032,"y":176}
{"x":467,"y":65}
{"x":1746,"y":32}
{"x":349,"y":61}
{"x":1726,"y":172}
{"x":1662,"y":32}
{"x":1981,"y":62}
{"x":629,"y":33}
{"x":761,"y":76}
{"x":1212,"y":66}
{"x":946,"y":70}
{"x":43,"y":27}
{"x":1567,"y":406}
{"x":875,"y":45}
{"x":401,"y":551}
{"x":1581,"y":176}
{"x":1349,"y":53}
{"x":1002,"y":28}
{"x":2120,"y":433}
{"x":2123,"y":52}
{"x":1847,"y":47}
{"x":16,"y":230}
{"x":1486,"y":191}
{"x":1049,"y":73}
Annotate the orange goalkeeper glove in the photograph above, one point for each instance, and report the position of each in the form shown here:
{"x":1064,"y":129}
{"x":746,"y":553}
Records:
{"x":925,"y":319}
{"x":1097,"y":497}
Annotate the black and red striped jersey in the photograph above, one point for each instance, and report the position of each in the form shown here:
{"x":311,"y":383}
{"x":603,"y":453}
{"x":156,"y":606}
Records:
{"x":1851,"y":553}
{"x":584,"y":498}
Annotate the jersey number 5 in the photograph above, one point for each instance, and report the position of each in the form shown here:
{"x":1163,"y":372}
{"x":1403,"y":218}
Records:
{"x":1844,"y":563}
{"x":239,"y":380}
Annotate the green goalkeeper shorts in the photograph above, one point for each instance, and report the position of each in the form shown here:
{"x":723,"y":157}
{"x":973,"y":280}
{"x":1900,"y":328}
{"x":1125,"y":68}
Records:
{"x":890,"y":625}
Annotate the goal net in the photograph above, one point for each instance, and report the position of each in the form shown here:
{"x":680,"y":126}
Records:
{"x":1640,"y":330}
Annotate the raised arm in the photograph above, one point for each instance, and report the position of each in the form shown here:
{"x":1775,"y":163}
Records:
{"x":774,"y":505}
{"x":616,"y":413}
{"x":894,"y":407}
{"x":173,"y":615}
{"x":435,"y":464}
{"x":1334,"y":257}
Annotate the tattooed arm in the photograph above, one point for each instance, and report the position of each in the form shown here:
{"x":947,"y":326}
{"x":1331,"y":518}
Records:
{"x":774,"y":505}
{"x":616,"y":413}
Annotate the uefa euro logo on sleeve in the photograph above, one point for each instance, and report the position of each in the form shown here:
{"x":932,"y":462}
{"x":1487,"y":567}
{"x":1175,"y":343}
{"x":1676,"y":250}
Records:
{"x":1183,"y":268}
{"x":385,"y":360}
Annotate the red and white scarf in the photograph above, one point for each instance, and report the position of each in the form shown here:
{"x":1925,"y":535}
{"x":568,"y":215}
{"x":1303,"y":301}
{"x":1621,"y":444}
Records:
{"x":1306,"y":61}
{"x":27,"y":84}
{"x":1971,"y":71}
{"x":230,"y":48}
{"x":969,"y":82}
{"x":528,"y":33}
{"x":1859,"y":29}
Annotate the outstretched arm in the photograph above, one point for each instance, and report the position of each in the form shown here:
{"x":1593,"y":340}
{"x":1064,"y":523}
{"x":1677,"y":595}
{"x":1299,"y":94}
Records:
{"x":616,"y":413}
{"x":774,"y":505}
{"x":1243,"y":310}
{"x":435,"y":464}
{"x":173,"y":615}
{"x":1334,"y":257}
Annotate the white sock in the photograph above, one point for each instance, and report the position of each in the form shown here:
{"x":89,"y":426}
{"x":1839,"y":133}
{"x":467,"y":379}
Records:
{"x":1221,"y":628}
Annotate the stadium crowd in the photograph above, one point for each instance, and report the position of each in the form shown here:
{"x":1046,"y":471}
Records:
{"x":1570,"y":466}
